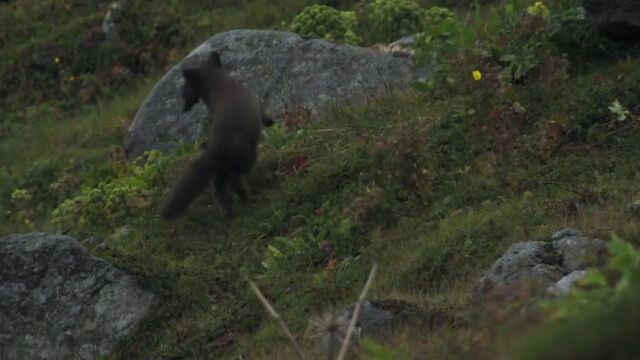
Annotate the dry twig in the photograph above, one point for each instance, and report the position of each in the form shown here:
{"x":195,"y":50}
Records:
{"x":356,"y":312}
{"x":275,"y":315}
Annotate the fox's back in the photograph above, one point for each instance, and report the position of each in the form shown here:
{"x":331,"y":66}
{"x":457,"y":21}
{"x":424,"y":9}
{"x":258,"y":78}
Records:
{"x":237,"y":111}
{"x":236,"y":123}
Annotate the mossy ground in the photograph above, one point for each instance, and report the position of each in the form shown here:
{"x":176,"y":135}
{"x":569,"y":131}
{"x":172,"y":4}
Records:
{"x":427,"y":187}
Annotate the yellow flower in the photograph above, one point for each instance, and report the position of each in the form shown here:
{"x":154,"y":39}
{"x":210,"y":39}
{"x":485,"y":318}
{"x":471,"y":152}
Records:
{"x":56,"y":60}
{"x":538,"y":9}
{"x":72,"y":78}
{"x":477,"y":75}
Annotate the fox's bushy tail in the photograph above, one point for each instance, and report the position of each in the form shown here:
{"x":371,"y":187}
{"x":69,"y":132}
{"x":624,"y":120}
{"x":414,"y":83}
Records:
{"x":193,"y":182}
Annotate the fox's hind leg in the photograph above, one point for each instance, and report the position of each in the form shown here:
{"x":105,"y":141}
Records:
{"x":220,"y":182}
{"x":238,"y":187}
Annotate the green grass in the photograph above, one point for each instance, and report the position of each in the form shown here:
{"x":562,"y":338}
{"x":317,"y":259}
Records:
{"x":428,"y":189}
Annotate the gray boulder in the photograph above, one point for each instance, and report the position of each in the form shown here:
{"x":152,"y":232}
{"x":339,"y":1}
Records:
{"x":528,"y":261}
{"x":619,"y":20}
{"x":59,"y":302}
{"x":289,"y":74}
{"x":540,"y":263}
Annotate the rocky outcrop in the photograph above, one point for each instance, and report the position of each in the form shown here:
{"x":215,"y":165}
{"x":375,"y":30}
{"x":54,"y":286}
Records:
{"x":59,"y":302}
{"x":288,"y":73}
{"x":540,"y":263}
{"x":618,"y":20}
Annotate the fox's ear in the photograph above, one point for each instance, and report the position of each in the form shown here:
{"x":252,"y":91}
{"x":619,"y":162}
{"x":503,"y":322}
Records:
{"x":215,"y":59}
{"x":190,"y":94}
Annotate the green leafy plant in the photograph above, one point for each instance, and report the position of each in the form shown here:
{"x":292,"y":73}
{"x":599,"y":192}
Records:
{"x":517,"y":65}
{"x":276,"y":136}
{"x":28,"y":195}
{"x":325,"y":22}
{"x":315,"y":243}
{"x":113,"y":202}
{"x":106,"y":204}
{"x":619,"y":111}
{"x":437,"y":16}
{"x":439,"y":39}
{"x":392,"y":19}
{"x":528,"y":36}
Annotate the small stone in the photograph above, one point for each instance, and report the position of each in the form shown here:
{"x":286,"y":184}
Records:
{"x":564,"y":285}
{"x":373,"y":322}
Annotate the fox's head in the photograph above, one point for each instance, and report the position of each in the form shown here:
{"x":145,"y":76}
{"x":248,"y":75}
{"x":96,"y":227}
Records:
{"x":195,"y":79}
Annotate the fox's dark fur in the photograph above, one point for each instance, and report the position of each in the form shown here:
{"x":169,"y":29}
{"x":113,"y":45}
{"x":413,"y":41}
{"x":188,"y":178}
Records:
{"x":236,"y":123}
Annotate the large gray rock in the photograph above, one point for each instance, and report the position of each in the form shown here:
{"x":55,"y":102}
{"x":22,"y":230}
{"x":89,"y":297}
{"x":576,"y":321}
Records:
{"x":58,"y":302}
{"x":617,"y":19}
{"x":288,"y":74}
{"x":540,"y":263}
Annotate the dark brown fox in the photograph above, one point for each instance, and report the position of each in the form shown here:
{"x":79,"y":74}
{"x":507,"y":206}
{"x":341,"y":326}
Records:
{"x":237,"y":120}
